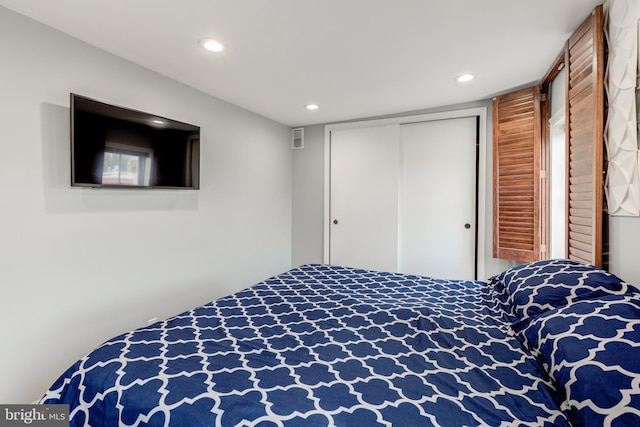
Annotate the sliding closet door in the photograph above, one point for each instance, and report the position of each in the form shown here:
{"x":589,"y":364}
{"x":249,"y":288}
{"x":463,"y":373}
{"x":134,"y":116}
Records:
{"x":438,"y":198}
{"x":364,"y":198}
{"x":403,"y":198}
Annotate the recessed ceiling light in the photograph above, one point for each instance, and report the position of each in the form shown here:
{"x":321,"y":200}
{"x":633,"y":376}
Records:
{"x":311,"y":106}
{"x":464,"y":78}
{"x":211,"y":44}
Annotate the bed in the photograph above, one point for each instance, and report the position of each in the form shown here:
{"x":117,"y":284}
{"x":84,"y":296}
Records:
{"x":548,"y":343}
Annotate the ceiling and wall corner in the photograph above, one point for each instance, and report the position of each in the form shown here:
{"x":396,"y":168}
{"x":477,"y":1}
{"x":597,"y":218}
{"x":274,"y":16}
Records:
{"x":356,"y":58}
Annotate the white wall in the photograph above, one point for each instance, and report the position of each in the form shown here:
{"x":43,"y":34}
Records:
{"x":78,"y":266}
{"x":308,"y":200}
{"x":624,"y":248}
{"x":308,"y":193}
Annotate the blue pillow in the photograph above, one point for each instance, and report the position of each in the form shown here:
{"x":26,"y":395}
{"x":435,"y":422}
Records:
{"x":591,"y":350}
{"x":539,"y":286}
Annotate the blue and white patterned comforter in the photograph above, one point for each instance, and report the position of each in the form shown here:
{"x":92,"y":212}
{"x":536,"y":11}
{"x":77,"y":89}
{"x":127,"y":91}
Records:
{"x":320,"y":346}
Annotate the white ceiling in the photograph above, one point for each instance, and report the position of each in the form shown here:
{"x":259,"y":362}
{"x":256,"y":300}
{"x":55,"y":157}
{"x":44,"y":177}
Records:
{"x":355,"y":58}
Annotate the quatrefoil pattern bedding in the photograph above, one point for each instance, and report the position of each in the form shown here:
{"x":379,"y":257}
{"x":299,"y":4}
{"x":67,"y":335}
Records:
{"x":320,"y":346}
{"x":536,"y":287}
{"x":583,"y":324}
{"x":592,"y":351}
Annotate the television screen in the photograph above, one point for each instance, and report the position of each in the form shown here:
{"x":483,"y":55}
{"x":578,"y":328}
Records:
{"x":118,"y":147}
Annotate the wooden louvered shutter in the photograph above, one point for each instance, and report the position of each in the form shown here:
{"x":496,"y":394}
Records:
{"x":585,"y":104}
{"x":516,"y":175}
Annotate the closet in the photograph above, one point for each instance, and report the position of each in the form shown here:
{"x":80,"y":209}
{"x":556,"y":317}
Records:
{"x":403,"y":195}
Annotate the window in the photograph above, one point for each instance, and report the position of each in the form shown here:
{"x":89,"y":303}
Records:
{"x":126,"y":166}
{"x":521,"y":138}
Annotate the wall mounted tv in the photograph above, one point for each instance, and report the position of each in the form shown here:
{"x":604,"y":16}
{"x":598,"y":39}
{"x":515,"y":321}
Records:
{"x":116,"y":147}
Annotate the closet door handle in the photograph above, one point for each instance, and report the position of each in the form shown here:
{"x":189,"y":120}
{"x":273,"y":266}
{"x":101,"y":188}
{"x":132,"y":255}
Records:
{"x":467,"y":226}
{"x":335,"y":221}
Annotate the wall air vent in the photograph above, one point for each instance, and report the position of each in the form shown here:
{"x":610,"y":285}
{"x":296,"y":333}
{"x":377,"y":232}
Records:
{"x":297,"y":138}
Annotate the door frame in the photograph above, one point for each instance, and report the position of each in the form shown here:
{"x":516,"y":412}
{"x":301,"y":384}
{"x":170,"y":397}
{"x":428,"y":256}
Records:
{"x":481,"y":173}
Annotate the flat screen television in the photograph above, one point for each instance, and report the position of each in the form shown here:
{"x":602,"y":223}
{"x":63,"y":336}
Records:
{"x":116,"y":147}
